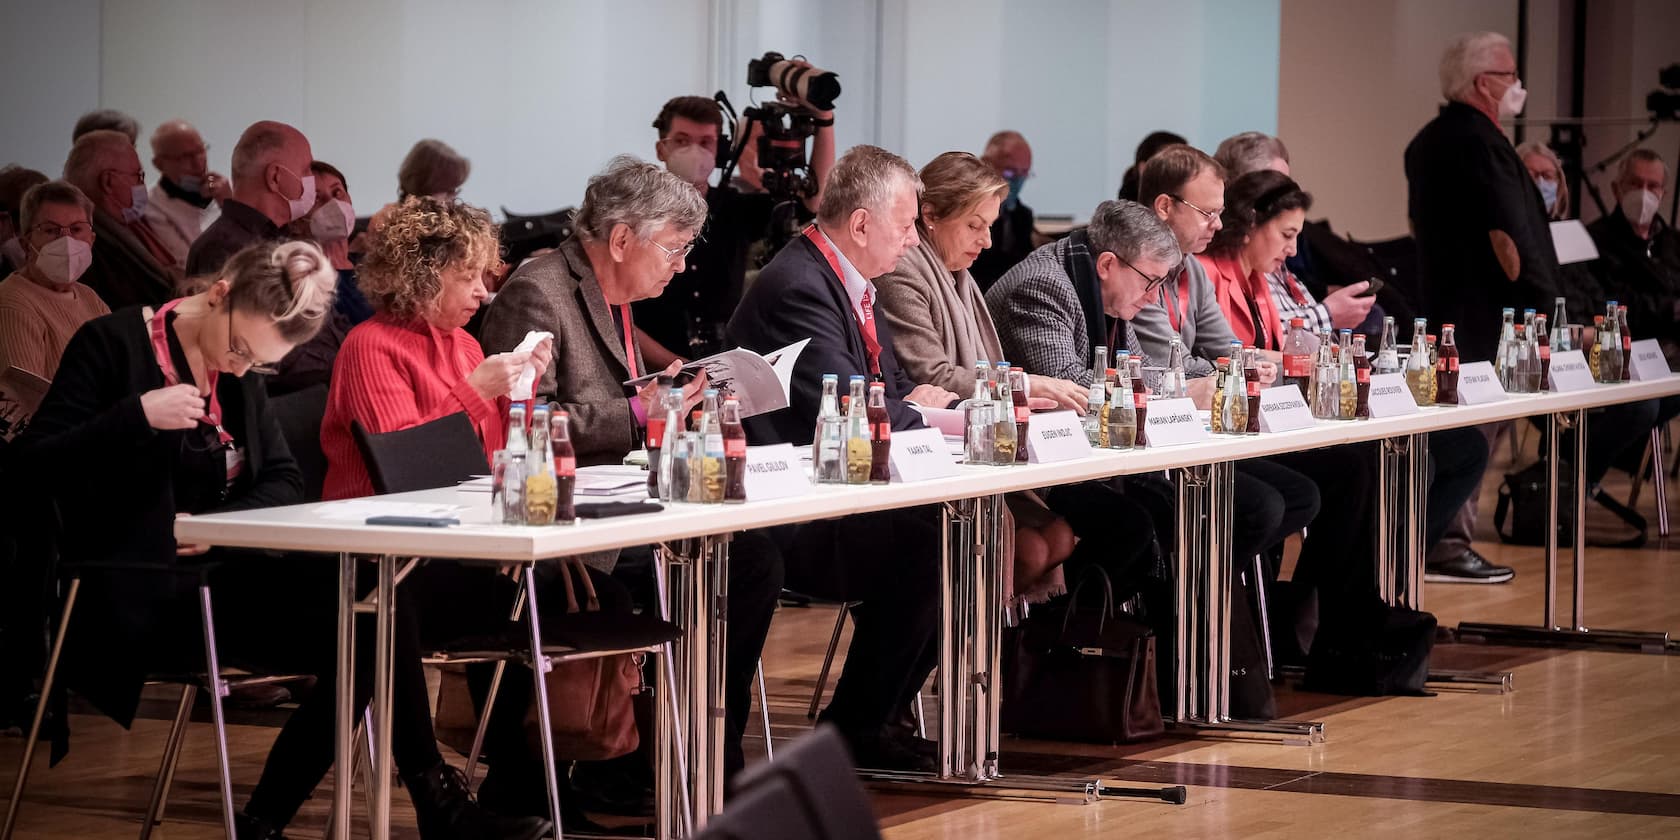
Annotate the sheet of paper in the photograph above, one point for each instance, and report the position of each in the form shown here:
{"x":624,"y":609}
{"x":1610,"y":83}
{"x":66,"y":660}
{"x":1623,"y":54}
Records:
{"x":20,"y":395}
{"x":947,"y":420}
{"x":760,"y":383}
{"x":525,"y":388}
{"x":1572,"y":242}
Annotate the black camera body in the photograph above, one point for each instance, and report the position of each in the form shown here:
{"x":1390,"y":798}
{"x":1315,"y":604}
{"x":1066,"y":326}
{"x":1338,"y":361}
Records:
{"x":1664,"y":103}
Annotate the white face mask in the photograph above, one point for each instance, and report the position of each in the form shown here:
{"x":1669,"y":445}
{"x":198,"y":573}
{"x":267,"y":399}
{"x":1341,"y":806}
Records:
{"x":136,"y":208}
{"x":1511,"y":104}
{"x":1639,"y":207}
{"x":190,"y":183}
{"x":693,"y":163}
{"x":304,"y":203}
{"x":12,"y":250}
{"x":332,"y":222}
{"x":64,"y":259}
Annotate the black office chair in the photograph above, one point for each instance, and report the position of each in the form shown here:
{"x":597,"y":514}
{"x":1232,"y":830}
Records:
{"x":299,"y":414}
{"x":811,"y":791}
{"x":442,"y":453}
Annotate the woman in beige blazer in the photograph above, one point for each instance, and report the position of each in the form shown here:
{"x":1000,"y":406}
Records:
{"x":941,"y":326}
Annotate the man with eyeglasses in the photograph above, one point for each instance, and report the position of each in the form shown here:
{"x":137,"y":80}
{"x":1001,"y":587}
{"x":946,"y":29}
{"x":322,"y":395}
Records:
{"x":131,"y":266}
{"x":42,"y":304}
{"x":187,"y":196}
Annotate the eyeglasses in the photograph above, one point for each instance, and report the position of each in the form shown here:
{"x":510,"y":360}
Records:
{"x":78,"y":230}
{"x":1211,"y":215}
{"x":201,"y":151}
{"x":1150,"y":283}
{"x":237,"y":347}
{"x":138,"y":175}
{"x":676,"y":255}
{"x":1510,"y":73}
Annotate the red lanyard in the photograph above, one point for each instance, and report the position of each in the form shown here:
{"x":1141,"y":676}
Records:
{"x":629,"y":340}
{"x":866,"y":323}
{"x":166,"y":363}
{"x":1180,"y":315}
{"x":1294,"y":288}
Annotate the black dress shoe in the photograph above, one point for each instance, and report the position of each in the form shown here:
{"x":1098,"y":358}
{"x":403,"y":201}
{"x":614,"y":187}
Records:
{"x":247,"y":827}
{"x":915,"y":743}
{"x":444,"y":809}
{"x":520,"y":789}
{"x":1467,"y":567}
{"x":880,"y":750}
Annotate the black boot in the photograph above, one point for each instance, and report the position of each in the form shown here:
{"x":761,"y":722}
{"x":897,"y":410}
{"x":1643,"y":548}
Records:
{"x":247,"y":827}
{"x":445,"y":810}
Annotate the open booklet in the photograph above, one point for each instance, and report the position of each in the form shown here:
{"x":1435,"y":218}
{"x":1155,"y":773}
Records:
{"x":21,"y":393}
{"x":760,"y":383}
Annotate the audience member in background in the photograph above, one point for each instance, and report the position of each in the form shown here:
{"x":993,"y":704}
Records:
{"x":687,"y":321}
{"x":1576,"y":282}
{"x":818,"y":287}
{"x":187,"y":197}
{"x":1154,"y":142}
{"x":14,"y":182}
{"x":1008,"y":154}
{"x":106,"y":119}
{"x":130,"y":263}
{"x":1639,"y":252}
{"x":42,"y":304}
{"x":941,"y":326}
{"x":1483,"y":241}
{"x":330,"y":225}
{"x":272,"y":187}
{"x":635,"y":225}
{"x":434,"y":168}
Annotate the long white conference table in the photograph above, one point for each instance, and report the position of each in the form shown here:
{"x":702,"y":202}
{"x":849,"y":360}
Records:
{"x":694,"y":550}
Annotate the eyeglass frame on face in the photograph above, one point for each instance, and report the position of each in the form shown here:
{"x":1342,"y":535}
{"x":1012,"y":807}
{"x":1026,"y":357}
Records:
{"x":1210,"y":216}
{"x":676,"y":255}
{"x":1150,"y":283}
{"x":77,"y":230}
{"x":252,"y":365}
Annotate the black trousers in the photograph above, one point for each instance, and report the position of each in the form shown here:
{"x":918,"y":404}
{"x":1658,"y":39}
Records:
{"x":1457,"y":459}
{"x":1339,"y":553}
{"x":1116,"y":531}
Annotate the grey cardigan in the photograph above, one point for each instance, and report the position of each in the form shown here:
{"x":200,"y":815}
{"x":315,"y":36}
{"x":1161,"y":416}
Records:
{"x":1204,"y":330}
{"x":940,"y":324}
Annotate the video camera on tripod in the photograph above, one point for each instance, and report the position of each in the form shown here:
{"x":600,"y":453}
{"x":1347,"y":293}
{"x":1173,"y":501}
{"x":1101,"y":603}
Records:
{"x":784,"y":127}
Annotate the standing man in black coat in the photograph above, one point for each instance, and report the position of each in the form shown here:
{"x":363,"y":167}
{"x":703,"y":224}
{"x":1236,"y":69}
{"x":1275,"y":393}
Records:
{"x":818,"y":288}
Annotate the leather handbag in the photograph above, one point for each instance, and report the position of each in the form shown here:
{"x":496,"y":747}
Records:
{"x":590,"y":701}
{"x":1081,"y":672}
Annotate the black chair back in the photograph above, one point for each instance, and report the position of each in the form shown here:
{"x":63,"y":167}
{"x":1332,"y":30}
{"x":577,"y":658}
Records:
{"x":813,"y":775}
{"x":299,"y":414}
{"x":442,"y":453}
{"x":770,"y":811}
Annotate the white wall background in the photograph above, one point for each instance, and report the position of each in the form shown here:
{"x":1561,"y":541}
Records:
{"x":540,"y":94}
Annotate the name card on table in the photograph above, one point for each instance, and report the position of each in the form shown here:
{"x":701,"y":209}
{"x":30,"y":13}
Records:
{"x":1648,"y":362}
{"x":920,"y":455}
{"x":1283,"y":409}
{"x":1056,"y":436}
{"x":1390,"y":397}
{"x":1174,"y":423}
{"x":1478,"y":383}
{"x":1570,"y":372}
{"x":775,"y":472}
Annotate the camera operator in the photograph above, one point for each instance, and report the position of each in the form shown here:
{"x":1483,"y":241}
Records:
{"x":687,"y":320}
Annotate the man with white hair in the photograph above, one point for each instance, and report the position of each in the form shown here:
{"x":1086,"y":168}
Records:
{"x":273,"y":186}
{"x":131,"y":266}
{"x":187,"y":196}
{"x":1481,"y":226}
{"x":818,"y":287}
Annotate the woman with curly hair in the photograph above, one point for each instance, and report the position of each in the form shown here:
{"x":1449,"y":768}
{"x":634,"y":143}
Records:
{"x":413,"y":362}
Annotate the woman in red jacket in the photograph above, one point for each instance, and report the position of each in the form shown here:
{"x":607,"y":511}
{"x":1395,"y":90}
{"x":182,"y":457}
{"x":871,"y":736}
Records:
{"x":1264,"y":213}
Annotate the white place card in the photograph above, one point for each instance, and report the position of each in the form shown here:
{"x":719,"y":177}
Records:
{"x":1055,"y":436}
{"x":1390,"y":397}
{"x":1478,"y":383}
{"x":920,"y":455}
{"x":1648,"y":363}
{"x":1283,"y":409}
{"x":1174,"y":423}
{"x":1570,"y":372}
{"x":775,"y":472}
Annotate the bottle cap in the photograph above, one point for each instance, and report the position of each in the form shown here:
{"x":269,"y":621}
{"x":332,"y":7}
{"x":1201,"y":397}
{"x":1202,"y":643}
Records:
{"x":1224,"y":360}
{"x":856,"y":378}
{"x":1297,"y":322}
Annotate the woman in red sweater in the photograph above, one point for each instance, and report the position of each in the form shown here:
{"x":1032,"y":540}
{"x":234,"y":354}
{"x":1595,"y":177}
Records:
{"x":413,"y":362}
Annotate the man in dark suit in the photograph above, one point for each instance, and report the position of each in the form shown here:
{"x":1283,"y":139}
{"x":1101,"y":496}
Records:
{"x":818,"y":288}
{"x":131,"y":266}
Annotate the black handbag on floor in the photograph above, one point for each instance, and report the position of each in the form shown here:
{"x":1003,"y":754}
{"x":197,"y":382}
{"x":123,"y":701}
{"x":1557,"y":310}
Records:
{"x":1522,"y":500}
{"x":1081,"y":672}
{"x":1373,"y":650}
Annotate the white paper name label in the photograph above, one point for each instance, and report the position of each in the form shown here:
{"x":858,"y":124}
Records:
{"x":1570,"y":372}
{"x":1174,"y":422}
{"x":1283,"y":409}
{"x":1055,"y":436}
{"x":920,"y":455}
{"x":1648,"y":363}
{"x":775,"y":472}
{"x":1478,"y":383}
{"x":1390,"y":397}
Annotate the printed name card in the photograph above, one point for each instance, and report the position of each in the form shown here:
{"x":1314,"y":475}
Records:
{"x":775,"y":472}
{"x":920,"y":455}
{"x":1174,"y":423}
{"x":1479,"y":384}
{"x":1648,"y":363}
{"x":1390,"y":397}
{"x":1283,"y":409}
{"x":1055,"y":436}
{"x":1570,"y":372}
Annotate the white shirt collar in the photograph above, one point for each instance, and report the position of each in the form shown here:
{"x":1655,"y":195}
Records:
{"x":850,"y":277}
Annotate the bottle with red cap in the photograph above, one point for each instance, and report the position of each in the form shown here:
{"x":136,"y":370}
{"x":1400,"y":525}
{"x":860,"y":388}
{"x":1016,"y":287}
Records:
{"x":565,"y":468}
{"x":880,"y":435}
{"x":734,"y":453}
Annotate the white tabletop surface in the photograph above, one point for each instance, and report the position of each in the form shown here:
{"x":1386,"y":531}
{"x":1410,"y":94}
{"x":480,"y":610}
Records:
{"x":304,"y":528}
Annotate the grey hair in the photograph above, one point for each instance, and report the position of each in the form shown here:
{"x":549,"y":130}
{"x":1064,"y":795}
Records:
{"x":92,"y":154}
{"x":1248,"y":152}
{"x":1468,"y":56}
{"x":106,"y":119}
{"x":633,"y":192}
{"x":1640,"y":155}
{"x":864,"y":178}
{"x":432,"y":167}
{"x":168,"y":129}
{"x":259,"y":146}
{"x":1133,"y":233}
{"x":50,"y":192}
